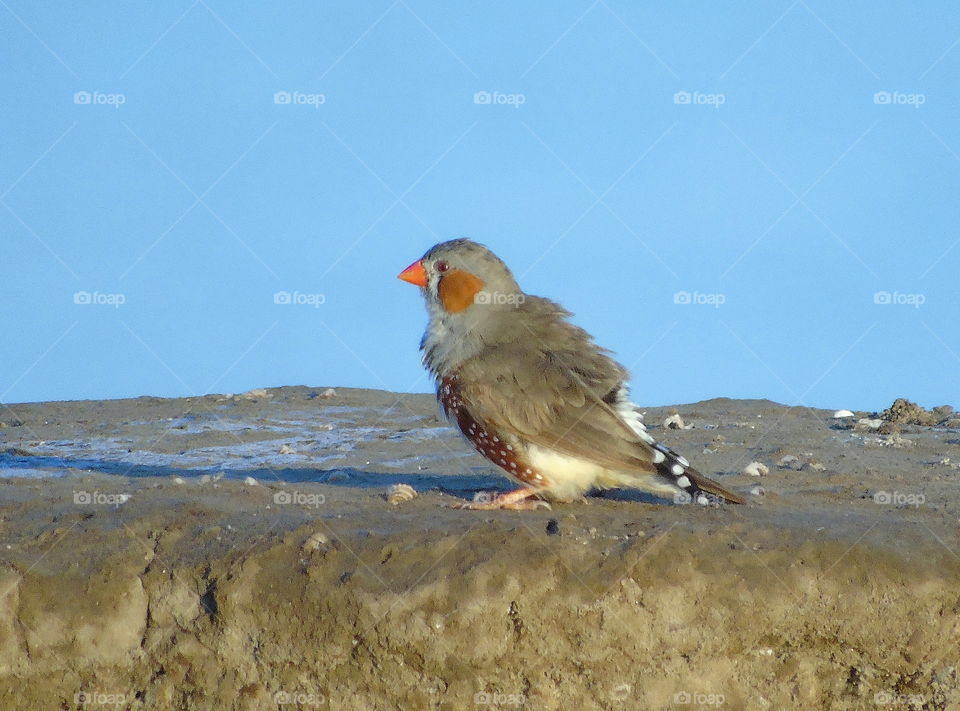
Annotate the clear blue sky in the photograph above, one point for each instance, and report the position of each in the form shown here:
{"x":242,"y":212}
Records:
{"x":147,"y":154}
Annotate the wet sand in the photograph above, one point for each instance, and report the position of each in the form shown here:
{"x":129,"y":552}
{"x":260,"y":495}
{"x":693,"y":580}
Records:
{"x":239,"y":552}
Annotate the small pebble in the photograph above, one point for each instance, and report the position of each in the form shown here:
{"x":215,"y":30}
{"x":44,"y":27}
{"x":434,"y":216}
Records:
{"x":250,"y":481}
{"x":328,"y":393}
{"x":553,"y":528}
{"x":867,"y":423}
{"x":255,"y":394}
{"x":757,"y":491}
{"x":788,"y":461}
{"x":756,"y":469}
{"x":286,"y":449}
{"x":178,"y":480}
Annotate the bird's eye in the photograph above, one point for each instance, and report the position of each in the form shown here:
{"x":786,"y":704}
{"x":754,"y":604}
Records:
{"x":442,"y":266}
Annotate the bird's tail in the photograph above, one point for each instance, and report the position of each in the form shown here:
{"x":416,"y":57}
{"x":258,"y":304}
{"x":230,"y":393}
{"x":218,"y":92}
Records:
{"x":692,"y":485}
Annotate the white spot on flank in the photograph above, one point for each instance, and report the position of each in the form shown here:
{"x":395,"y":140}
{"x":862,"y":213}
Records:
{"x":677,"y":469}
{"x":683,"y":462}
{"x":658,"y":456}
{"x":683,"y":482}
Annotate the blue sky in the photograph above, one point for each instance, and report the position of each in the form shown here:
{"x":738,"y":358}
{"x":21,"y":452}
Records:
{"x":739,"y":199}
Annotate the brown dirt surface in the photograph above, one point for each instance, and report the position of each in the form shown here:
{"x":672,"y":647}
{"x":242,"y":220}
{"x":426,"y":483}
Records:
{"x":228,"y":552}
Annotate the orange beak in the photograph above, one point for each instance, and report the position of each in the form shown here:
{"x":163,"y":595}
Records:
{"x":414,"y":274}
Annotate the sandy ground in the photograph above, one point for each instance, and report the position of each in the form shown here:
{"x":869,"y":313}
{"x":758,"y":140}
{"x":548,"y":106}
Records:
{"x":238,"y":552}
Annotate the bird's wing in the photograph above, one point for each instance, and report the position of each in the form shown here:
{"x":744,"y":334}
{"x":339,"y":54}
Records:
{"x":543,"y":399}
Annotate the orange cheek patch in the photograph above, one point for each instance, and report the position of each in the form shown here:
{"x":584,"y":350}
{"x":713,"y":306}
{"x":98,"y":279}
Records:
{"x":457,"y":290}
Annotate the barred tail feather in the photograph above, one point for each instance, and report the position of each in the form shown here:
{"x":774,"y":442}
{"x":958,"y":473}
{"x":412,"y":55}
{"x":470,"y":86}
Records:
{"x":677,"y":470}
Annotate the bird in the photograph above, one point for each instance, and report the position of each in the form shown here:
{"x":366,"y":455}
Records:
{"x":533,"y":393}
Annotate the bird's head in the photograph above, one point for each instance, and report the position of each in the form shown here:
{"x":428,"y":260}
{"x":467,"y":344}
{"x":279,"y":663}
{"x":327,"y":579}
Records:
{"x":469,"y":293}
{"x":463,"y":277}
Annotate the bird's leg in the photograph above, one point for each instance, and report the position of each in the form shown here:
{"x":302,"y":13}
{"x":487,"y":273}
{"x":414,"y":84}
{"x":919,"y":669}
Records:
{"x":512,"y":500}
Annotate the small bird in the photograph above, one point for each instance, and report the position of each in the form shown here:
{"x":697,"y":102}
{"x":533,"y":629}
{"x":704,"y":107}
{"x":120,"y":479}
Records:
{"x":532,"y":392}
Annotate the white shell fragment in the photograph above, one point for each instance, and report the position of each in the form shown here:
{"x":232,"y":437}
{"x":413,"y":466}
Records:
{"x":286,"y":449}
{"x":250,"y":481}
{"x":675,"y":422}
{"x":315,"y":542}
{"x":400,"y":494}
{"x":867,"y":423}
{"x":756,"y":469}
{"x":842,"y":413}
{"x":757,"y":491}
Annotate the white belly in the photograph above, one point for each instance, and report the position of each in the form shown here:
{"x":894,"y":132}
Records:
{"x":569,"y":478}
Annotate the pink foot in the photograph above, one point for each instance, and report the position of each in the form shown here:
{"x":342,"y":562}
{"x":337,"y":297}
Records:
{"x":512,"y":500}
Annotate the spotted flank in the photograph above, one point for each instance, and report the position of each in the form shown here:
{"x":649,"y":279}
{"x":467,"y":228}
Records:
{"x":488,"y":443}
